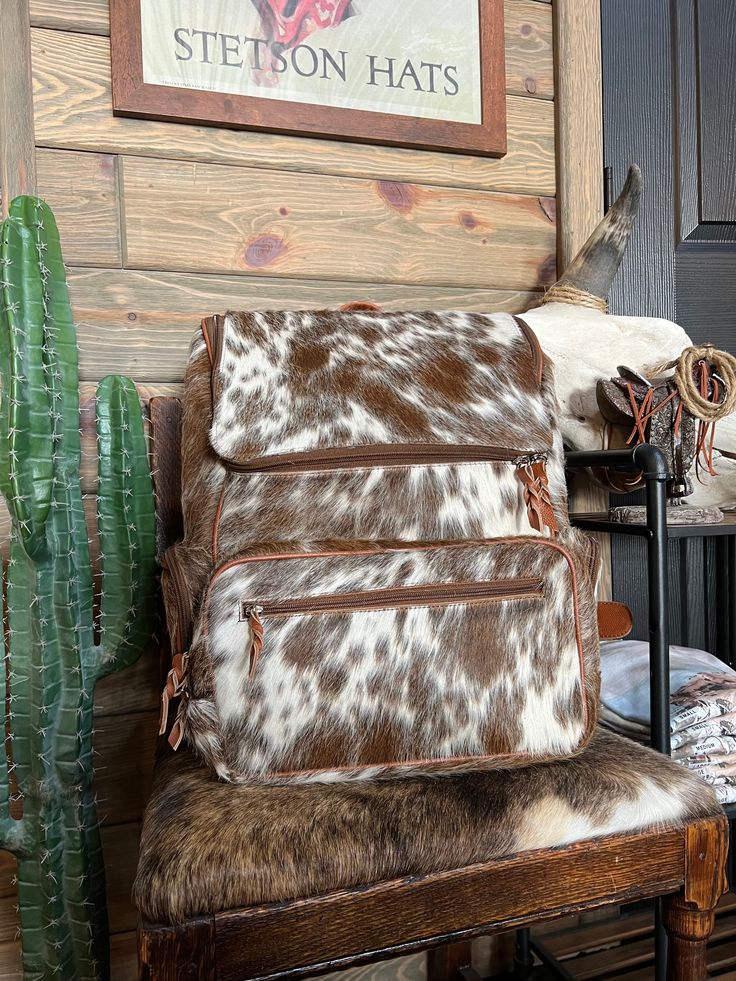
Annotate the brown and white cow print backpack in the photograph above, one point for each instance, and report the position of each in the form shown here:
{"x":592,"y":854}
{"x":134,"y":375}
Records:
{"x":378,"y":576}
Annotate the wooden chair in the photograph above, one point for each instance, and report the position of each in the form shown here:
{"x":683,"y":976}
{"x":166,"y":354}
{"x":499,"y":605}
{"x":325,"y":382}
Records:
{"x":439,"y":910}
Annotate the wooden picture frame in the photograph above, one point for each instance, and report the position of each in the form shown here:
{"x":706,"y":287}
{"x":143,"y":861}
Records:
{"x":133,"y":96}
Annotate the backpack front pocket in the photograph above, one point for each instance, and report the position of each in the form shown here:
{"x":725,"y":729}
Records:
{"x":396,"y":493}
{"x":388,"y":660}
{"x":438,"y":596}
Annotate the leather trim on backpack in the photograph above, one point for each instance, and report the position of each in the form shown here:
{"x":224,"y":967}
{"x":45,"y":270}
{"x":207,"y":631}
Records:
{"x":537,"y":353}
{"x":207,"y":341}
{"x":212,"y":334}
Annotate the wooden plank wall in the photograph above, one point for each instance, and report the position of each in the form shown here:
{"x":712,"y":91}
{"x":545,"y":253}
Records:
{"x":162,"y":224}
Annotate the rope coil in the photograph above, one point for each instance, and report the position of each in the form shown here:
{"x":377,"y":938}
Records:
{"x":695,"y":395}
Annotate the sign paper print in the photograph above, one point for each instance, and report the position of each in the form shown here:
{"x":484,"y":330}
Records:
{"x":264,"y":62}
{"x":378,"y":55}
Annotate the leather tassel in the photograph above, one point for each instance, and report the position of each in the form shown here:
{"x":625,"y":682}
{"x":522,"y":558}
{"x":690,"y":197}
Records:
{"x":256,"y":632}
{"x":537,"y":497}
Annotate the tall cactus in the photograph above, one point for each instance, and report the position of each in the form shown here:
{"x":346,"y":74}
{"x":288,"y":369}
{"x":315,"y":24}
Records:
{"x":55,"y":648}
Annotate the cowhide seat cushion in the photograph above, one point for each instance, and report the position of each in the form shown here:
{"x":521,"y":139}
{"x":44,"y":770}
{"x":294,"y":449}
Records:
{"x":209,"y":846}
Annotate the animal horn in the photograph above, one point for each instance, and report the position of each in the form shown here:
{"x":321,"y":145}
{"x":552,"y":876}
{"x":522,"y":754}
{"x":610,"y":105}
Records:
{"x":593,"y":268}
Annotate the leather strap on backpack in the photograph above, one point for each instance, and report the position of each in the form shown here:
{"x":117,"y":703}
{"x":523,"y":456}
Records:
{"x":533,"y":340}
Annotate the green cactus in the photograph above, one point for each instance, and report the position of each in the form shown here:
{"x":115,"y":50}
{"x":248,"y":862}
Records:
{"x":55,"y":647}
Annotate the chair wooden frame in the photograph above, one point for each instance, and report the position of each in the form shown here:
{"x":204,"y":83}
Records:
{"x":441,"y":912}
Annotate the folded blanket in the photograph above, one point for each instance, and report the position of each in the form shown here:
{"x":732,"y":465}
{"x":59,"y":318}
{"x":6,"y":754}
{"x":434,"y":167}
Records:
{"x":721,"y":745}
{"x":705,"y":696}
{"x":634,"y":730}
{"x":625,"y":680}
{"x":725,"y":795}
{"x":703,"y":708}
{"x":712,"y":764}
{"x":722,"y":725}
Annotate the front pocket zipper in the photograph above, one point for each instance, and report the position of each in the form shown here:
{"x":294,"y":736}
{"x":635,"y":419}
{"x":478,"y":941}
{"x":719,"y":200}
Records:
{"x":531,"y":467}
{"x":408,"y":597}
{"x":380,"y":455}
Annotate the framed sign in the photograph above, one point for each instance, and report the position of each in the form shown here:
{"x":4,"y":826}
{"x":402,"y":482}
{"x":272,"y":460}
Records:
{"x":427,"y":74}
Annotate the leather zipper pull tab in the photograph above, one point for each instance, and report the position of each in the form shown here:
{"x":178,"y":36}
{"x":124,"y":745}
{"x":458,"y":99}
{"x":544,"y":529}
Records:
{"x":533,"y":475}
{"x":177,"y":730}
{"x":175,"y":687}
{"x":253,"y":616}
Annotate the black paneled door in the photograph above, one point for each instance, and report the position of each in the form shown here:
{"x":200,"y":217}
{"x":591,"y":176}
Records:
{"x":669,"y":88}
{"x":669,"y":94}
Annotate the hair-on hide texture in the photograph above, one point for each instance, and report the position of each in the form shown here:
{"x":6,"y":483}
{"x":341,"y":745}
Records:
{"x":209,"y":846}
{"x":482,"y":682}
{"x":297,"y":382}
{"x":407,"y":401}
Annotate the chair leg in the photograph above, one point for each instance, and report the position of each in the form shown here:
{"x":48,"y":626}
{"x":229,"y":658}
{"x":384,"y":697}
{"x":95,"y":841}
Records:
{"x":180,"y":953}
{"x":689,"y":916}
{"x":688,"y":932}
{"x":446,"y":963}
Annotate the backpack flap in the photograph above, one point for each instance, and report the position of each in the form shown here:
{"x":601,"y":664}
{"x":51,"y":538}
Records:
{"x":453,"y":402}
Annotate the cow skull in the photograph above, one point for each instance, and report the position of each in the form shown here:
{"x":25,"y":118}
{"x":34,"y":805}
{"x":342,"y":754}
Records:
{"x":586,"y":344}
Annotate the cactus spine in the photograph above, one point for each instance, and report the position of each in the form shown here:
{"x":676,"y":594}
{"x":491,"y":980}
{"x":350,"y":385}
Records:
{"x":55,"y":648}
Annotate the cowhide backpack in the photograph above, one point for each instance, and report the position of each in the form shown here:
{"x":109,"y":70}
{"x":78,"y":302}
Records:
{"x":378,"y":576}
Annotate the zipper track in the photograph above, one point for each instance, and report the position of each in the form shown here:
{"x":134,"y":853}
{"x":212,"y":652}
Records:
{"x":439,"y":594}
{"x":376,"y":455}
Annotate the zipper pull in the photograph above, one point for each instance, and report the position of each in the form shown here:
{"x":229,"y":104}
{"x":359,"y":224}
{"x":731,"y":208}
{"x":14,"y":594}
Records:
{"x":177,"y":730}
{"x":253,"y":616}
{"x":532,"y":471}
{"x":176,"y":684}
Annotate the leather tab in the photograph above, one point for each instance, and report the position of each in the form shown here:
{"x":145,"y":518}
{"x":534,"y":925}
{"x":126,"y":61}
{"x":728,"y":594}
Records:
{"x":256,"y":644}
{"x":360,"y":306}
{"x":614,"y":621}
{"x":177,"y":730}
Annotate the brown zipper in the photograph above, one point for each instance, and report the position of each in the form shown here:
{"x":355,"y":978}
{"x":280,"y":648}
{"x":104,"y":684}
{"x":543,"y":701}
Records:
{"x":214,"y":338}
{"x":406,"y":597}
{"x":217,"y":331}
{"x":377,"y":455}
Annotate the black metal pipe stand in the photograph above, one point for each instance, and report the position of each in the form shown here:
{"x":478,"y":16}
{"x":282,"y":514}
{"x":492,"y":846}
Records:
{"x":523,"y":957}
{"x":659,"y":655}
{"x":652,"y":463}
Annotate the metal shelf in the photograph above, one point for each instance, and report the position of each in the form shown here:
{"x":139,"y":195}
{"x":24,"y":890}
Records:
{"x":601,"y":523}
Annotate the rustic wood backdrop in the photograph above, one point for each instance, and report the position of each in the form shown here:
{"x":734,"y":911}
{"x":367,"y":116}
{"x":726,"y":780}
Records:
{"x":164,"y":223}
